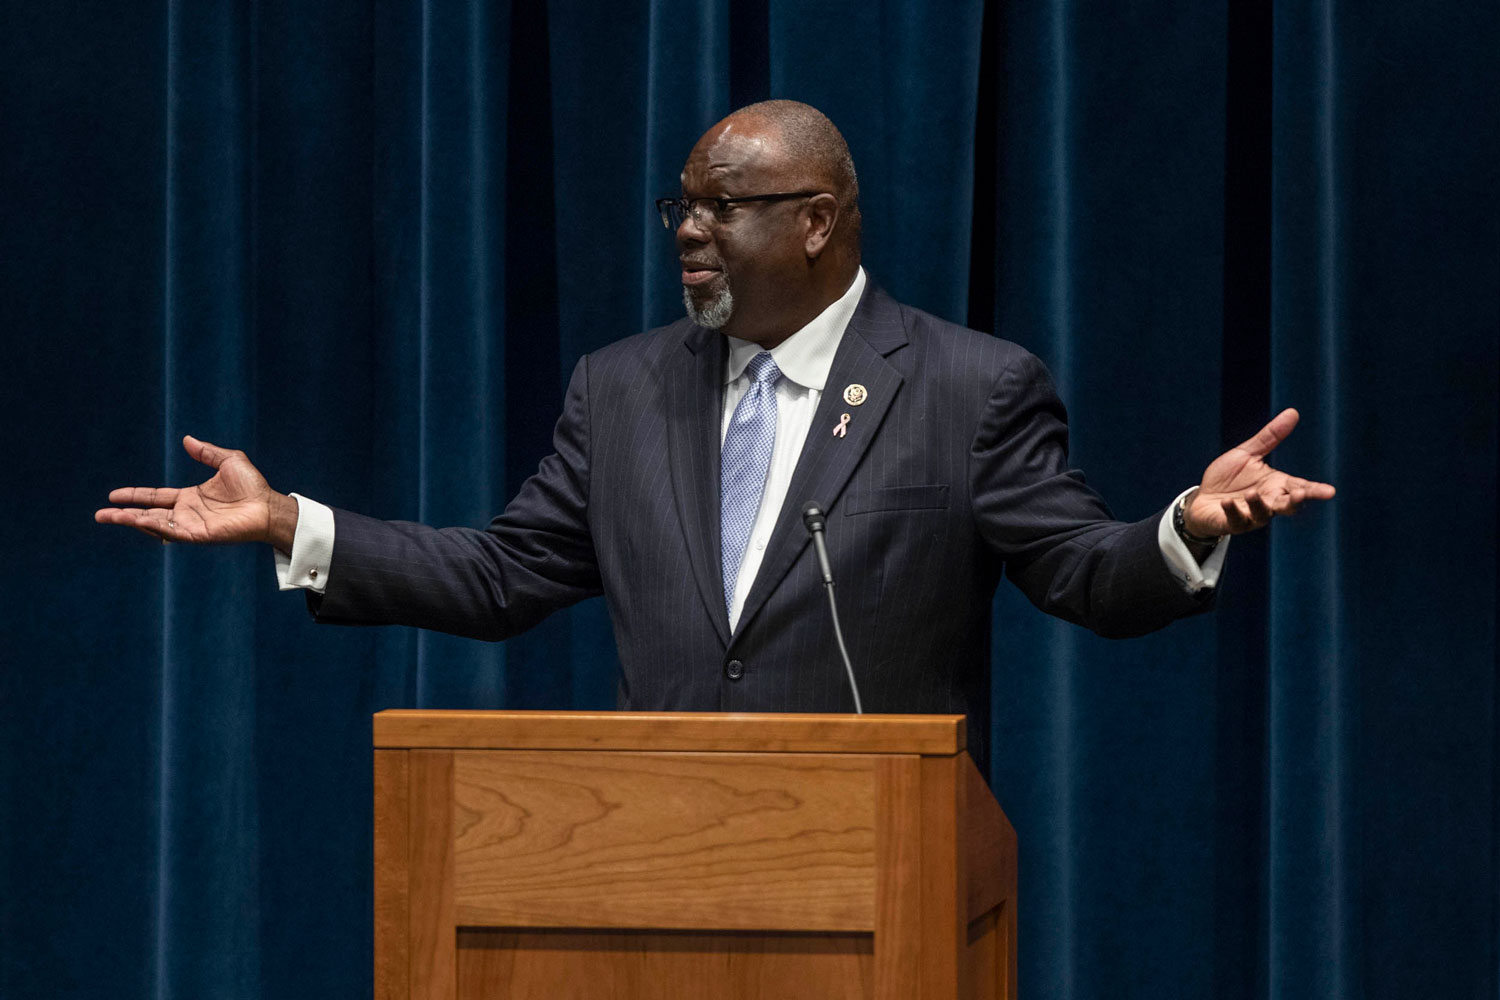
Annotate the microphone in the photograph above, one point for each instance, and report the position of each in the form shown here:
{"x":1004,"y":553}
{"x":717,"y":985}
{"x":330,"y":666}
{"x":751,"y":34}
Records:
{"x":813,"y":520}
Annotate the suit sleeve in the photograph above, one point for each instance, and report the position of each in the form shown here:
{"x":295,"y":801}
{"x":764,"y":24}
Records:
{"x":1059,"y":542}
{"x":536,"y":557}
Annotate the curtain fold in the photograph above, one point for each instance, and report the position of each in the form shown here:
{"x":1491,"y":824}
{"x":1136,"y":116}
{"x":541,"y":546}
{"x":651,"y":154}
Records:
{"x":367,"y":243}
{"x":207,"y":872}
{"x":441,"y":239}
{"x":1313,"y":725}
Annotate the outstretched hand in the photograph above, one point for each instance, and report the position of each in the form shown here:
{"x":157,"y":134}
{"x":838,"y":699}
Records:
{"x":236,"y":504}
{"x":1240,"y":492}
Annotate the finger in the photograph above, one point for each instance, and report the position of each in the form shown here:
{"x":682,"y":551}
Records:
{"x":1278,"y":496}
{"x":1257,"y":508}
{"x":1288,"y":502}
{"x":1271,"y":435}
{"x":154,"y":521}
{"x":114,"y":515}
{"x":130,"y":518}
{"x":1232,"y":522}
{"x":1236,"y":514}
{"x":1302,"y":490}
{"x":202,"y":451}
{"x":144,"y":496}
{"x":1305,"y":489}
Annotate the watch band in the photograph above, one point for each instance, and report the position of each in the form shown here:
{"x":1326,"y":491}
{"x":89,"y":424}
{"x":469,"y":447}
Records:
{"x":1179,"y":523}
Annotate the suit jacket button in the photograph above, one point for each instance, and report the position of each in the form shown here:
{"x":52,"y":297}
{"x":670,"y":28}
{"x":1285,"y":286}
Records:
{"x":734,"y":670}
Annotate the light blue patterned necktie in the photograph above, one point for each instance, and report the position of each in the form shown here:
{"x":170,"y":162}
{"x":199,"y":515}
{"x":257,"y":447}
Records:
{"x":744,"y":461}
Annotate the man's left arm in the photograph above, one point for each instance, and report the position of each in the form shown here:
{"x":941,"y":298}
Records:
{"x":1195,"y":562}
{"x":1062,"y":547}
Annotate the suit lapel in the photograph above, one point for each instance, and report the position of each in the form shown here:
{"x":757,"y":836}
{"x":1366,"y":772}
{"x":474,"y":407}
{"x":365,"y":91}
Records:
{"x":694,"y":397}
{"x":828,"y":460}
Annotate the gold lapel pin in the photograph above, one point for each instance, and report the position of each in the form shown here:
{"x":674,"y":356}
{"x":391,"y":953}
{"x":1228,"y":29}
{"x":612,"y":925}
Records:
{"x":854,"y":394}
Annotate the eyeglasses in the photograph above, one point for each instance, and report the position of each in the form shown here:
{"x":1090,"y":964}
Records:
{"x":708,"y":212}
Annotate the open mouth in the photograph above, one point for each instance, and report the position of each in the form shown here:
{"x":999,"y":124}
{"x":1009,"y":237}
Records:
{"x":697,"y":272}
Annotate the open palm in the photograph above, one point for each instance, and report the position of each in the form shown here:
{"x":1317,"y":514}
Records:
{"x":234,"y":505}
{"x":1240,"y":492}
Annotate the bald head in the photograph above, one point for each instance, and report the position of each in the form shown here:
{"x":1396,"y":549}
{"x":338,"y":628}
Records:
{"x":813,"y":143}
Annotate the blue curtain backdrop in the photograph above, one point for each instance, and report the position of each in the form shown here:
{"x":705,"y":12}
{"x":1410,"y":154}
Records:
{"x":366,"y":243}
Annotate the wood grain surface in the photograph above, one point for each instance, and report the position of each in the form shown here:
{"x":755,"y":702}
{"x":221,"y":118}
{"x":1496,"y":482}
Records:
{"x":392,"y":898}
{"x":432,"y":928}
{"x":688,"y":731}
{"x":693,"y":841}
{"x":989,"y":845}
{"x":898,"y":890}
{"x":630,"y":965}
{"x":983,"y":963}
{"x":944,"y":890}
{"x":992,"y":874}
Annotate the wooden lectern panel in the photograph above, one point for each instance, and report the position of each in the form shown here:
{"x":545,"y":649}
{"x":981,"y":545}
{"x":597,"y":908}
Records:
{"x":730,"y":732}
{"x":392,"y":895}
{"x":645,"y":965}
{"x":729,"y":841}
{"x":898,"y":892}
{"x":430,"y":940}
{"x":574,"y":857}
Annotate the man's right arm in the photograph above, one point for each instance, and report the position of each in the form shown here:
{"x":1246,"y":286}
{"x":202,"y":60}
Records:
{"x":534,"y":558}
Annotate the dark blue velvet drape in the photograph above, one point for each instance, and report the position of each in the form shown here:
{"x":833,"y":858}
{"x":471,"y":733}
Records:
{"x":366,"y":242}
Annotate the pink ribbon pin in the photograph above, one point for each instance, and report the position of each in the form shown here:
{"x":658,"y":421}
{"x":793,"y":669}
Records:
{"x":843,"y":427}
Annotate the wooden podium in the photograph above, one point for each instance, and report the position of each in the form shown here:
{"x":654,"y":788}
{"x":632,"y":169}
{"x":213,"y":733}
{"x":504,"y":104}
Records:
{"x":627,"y":855}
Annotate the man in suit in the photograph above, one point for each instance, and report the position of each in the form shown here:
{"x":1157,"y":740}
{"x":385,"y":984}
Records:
{"x":684,"y":456}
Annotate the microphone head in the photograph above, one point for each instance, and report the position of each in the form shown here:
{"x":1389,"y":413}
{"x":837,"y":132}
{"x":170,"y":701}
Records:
{"x":812,"y":516}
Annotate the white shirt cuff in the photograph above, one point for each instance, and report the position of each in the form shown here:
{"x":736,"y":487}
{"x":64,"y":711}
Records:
{"x":1189,"y":572}
{"x":312,"y":549}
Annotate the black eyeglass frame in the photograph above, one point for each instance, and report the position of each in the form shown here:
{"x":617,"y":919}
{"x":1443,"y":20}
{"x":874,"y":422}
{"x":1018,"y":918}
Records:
{"x":684,"y":206}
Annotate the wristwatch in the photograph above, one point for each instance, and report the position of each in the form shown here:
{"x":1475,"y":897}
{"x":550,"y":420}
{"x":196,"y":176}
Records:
{"x":1179,"y":523}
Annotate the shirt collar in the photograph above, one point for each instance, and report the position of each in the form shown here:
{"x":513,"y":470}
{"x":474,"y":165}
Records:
{"x":807,"y":355}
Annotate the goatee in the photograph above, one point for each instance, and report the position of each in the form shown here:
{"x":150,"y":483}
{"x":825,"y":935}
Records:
{"x":715,"y":312}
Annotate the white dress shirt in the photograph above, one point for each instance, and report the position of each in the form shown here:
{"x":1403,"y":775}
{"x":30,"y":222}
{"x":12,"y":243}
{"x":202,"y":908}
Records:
{"x":804,"y":359}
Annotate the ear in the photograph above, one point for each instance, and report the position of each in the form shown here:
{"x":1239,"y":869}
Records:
{"x":822,"y":220}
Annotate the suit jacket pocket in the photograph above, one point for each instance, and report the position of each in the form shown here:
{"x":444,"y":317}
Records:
{"x":896,"y":498}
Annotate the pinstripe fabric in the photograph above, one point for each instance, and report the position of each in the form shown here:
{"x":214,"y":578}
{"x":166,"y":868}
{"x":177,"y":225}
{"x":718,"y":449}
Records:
{"x":952,"y":473}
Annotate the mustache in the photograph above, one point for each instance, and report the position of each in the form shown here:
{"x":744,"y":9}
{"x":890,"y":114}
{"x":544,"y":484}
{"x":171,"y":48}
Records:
{"x":702,"y":262}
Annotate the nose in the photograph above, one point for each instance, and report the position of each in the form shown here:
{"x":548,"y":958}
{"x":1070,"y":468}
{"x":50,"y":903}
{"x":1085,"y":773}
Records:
{"x":691,"y":232}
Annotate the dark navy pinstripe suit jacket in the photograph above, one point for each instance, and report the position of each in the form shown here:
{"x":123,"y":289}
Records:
{"x":953,"y":472}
